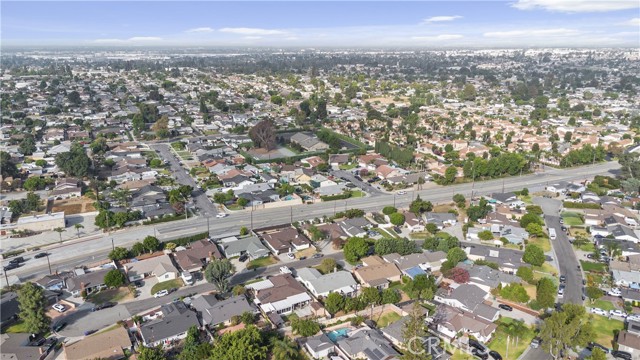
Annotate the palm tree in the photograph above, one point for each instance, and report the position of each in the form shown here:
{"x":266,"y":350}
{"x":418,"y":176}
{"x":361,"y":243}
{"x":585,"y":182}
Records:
{"x":78,"y":227}
{"x":284,"y":349}
{"x":613,"y":250}
{"x":59,"y":230}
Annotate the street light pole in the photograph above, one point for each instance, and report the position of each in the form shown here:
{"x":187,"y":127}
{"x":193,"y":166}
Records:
{"x":49,"y":263}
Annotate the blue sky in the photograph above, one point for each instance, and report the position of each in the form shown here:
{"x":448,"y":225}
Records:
{"x":323,"y":23}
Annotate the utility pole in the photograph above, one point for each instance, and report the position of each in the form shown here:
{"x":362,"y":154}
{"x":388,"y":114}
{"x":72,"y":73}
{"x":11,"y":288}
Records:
{"x":334,"y":207}
{"x":6,"y":279}
{"x":291,"y":214}
{"x":502,"y":185}
{"x":113,"y":246}
{"x":251,"y":218}
{"x":394,"y":200}
{"x":48,"y":263}
{"x":208,"y":228}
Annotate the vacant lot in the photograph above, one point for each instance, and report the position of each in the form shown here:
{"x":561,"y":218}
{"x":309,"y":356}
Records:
{"x":73,"y":206}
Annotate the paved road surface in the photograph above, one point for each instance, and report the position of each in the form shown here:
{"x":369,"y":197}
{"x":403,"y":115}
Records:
{"x":82,"y":252}
{"x":563,"y":249}
{"x":361,"y":184}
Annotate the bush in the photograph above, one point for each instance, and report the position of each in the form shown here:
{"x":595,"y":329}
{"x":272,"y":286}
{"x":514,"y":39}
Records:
{"x":388,"y":210}
{"x":485,"y":235}
{"x":397,"y":219}
{"x":574,"y":205}
{"x":119,"y":253}
{"x":525,"y":273}
{"x":184,"y":241}
{"x":114,"y":278}
{"x":342,"y":196}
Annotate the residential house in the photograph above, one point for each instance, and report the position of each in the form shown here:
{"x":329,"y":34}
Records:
{"x":173,"y":325}
{"x":52,"y":282}
{"x":308,"y":143}
{"x":355,"y":227}
{"x":628,"y":248}
{"x":336,"y":160}
{"x":386,"y":171}
{"x":214,"y":312}
{"x":319,"y":346}
{"x":621,"y":232}
{"x":313,"y":161}
{"x":510,"y":199}
{"x":470,"y":298}
{"x":452,"y":321}
{"x":508,"y":260}
{"x":251,"y":245}
{"x":440,"y":219}
{"x":419,"y":263}
{"x":285,"y":240}
{"x":413,"y":222}
{"x":10,"y":308}
{"x":377,"y":273}
{"x":487,"y":278}
{"x":91,"y":282}
{"x":17,"y":346}
{"x":341,"y":282}
{"x":198,"y":255}
{"x":65,"y":188}
{"x":280,"y":294}
{"x":629,"y":340}
{"x":109,"y":345}
{"x":159,"y":266}
{"x":365,"y":343}
{"x":626,"y":274}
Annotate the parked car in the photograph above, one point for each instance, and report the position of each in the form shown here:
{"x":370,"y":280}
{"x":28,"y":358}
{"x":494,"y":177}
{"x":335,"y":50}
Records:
{"x":619,"y":354}
{"x":317,"y":255}
{"x":138,"y":284}
{"x":505,"y":307}
{"x":479,"y":354}
{"x":535,"y":343}
{"x":614,"y":292}
{"x":105,"y":305}
{"x":291,"y":256}
{"x":397,"y":229}
{"x":560,"y":292}
{"x":161,"y":293}
{"x":11,"y":266}
{"x":302,"y":258}
{"x":89,"y":332}
{"x":563,"y":278}
{"x":17,"y":260}
{"x":561,"y":221}
{"x":40,"y":255}
{"x":563,"y":228}
{"x":478,"y":345}
{"x":59,"y":308}
{"x":495,"y":355}
{"x":617,"y":312}
{"x":633,"y":318}
{"x":243,"y":257}
{"x":598,"y":311}
{"x":59,"y":326}
{"x":593,"y":345}
{"x":221,"y":215}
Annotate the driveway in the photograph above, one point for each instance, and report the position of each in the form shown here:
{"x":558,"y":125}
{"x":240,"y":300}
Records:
{"x":365,"y":186}
{"x":563,"y":249}
{"x":183,"y":178}
{"x":83,"y":319}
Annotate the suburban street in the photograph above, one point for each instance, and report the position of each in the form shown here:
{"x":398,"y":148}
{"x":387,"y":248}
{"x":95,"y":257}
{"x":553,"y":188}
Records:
{"x":83,"y":251}
{"x":563,"y":249}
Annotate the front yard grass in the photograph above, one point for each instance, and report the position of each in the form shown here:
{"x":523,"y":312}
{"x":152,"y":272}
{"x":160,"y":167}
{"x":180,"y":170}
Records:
{"x":588,"y":247}
{"x":605,"y":329}
{"x":387,"y":234}
{"x":387,"y":318}
{"x":593,"y":266}
{"x":516,"y":348}
{"x":357,"y":194}
{"x":572,"y":219}
{"x":546,"y":268}
{"x":110,"y":295}
{"x":234,"y":207}
{"x":166,"y":285}
{"x":347,"y":166}
{"x":542,"y":242}
{"x":602,"y":304}
{"x":18,"y":327}
{"x":262,"y":262}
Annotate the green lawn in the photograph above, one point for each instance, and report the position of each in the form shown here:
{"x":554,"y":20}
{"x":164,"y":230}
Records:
{"x":166,"y":285}
{"x":18,"y":327}
{"x":572,"y":219}
{"x":593,"y":266}
{"x":262,"y":262}
{"x":545,"y":268}
{"x":526,"y":199}
{"x":602,"y":304}
{"x":499,"y":341}
{"x":387,"y":234}
{"x":234,"y":207}
{"x":357,"y":194}
{"x":588,"y":247}
{"x":387,"y":319}
{"x":542,"y":242}
{"x":348,"y":166}
{"x":110,"y":295}
{"x":605,"y":329}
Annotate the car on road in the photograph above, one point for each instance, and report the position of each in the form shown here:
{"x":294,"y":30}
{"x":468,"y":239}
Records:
{"x":598,"y":311}
{"x":614,"y":292}
{"x":617,"y":312}
{"x":317,"y":255}
{"x":243,"y":257}
{"x":619,"y":354}
{"x":535,"y":343}
{"x":105,"y":305}
{"x":495,"y":355}
{"x":633,"y":317}
{"x":89,"y":332}
{"x":59,"y":326}
{"x":561,"y":221}
{"x":401,"y":192}
{"x":285,"y":270}
{"x":505,"y":307}
{"x":59,"y":308}
{"x":11,"y":266}
{"x":563,"y":228}
{"x":358,"y":178}
{"x":563,"y":278}
{"x":479,"y":354}
{"x":221,"y":215}
{"x":560,"y":292}
{"x":41,"y":255}
{"x":17,"y":260}
{"x":161,"y":293}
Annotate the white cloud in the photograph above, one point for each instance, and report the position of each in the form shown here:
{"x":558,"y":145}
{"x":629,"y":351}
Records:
{"x":252,"y":31}
{"x":575,"y":6}
{"x":135,"y":39}
{"x":537,"y":32}
{"x":253,"y":37}
{"x":442,"y":18}
{"x":632,"y":22}
{"x":200,"y":30}
{"x":440,"y":37}
{"x":144,"y":38}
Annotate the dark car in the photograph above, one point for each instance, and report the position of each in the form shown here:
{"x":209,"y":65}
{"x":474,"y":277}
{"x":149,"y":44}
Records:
{"x":243,"y":258}
{"x":358,"y":178}
{"x":59,"y":326}
{"x":477,"y":345}
{"x":138,"y":284}
{"x":103,"y":306}
{"x":40,"y":255}
{"x":480,"y":354}
{"x":593,"y":345}
{"x":17,"y":260}
{"x":505,"y":307}
{"x":302,"y":258}
{"x":318,"y":255}
{"x":89,"y":332}
{"x":618,"y":354}
{"x":563,"y":278}
{"x":11,"y":266}
{"x":397,"y":229}
{"x":495,"y":355}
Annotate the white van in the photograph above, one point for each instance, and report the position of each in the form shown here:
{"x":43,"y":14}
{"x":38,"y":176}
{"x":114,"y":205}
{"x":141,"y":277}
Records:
{"x":187,"y":277}
{"x":552,"y":233}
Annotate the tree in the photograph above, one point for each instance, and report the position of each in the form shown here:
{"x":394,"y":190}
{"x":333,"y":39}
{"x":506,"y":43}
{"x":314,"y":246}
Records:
{"x":401,"y":246}
{"x":119,"y":253}
{"x":151,"y":244}
{"x":334,"y":303}
{"x":34,"y":183}
{"x":566,"y":329}
{"x":114,"y":278}
{"x":284,"y":349}
{"x":419,"y":206}
{"x":32,"y":202}
{"x":525,"y":273}
{"x":391,"y":296}
{"x":7,"y":167}
{"x":218,"y":273}
{"x":515,"y":292}
{"x":75,"y":162}
{"x":535,"y":229}
{"x":468,"y":92}
{"x":371,"y":296}
{"x":99,"y":146}
{"x":597,"y":354}
{"x":485,"y":235}
{"x":460,"y":200}
{"x":151,"y":353}
{"x":455,"y":255}
{"x":593,"y":293}
{"x":546,"y":292}
{"x":194,"y":348}
{"x":354,"y":249}
{"x":388,"y":210}
{"x":244,"y":231}
{"x":459,"y":275}
{"x":246,"y":344}
{"x":161,"y":127}
{"x":74,"y":98}
{"x":138,"y":249}
{"x":327,"y":265}
{"x":247,"y":318}
{"x":533,"y":255}
{"x":305,"y":327}
{"x":32,"y":304}
{"x":424,"y":286}
{"x":59,"y":230}
{"x":27,"y":145}
{"x":78,"y":227}
{"x":530,"y":218}
{"x":450,"y":174}
{"x":396,"y":219}
{"x":239,"y":290}
{"x":263,"y":135}
{"x":567,"y":136}
{"x":413,"y":331}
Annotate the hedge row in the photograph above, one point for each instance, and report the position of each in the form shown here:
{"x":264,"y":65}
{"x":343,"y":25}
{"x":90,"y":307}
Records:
{"x":13,"y":253}
{"x":183,"y":241}
{"x":574,"y":205}
{"x":342,"y":196}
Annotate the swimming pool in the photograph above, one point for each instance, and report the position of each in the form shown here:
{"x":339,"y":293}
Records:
{"x":336,"y":335}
